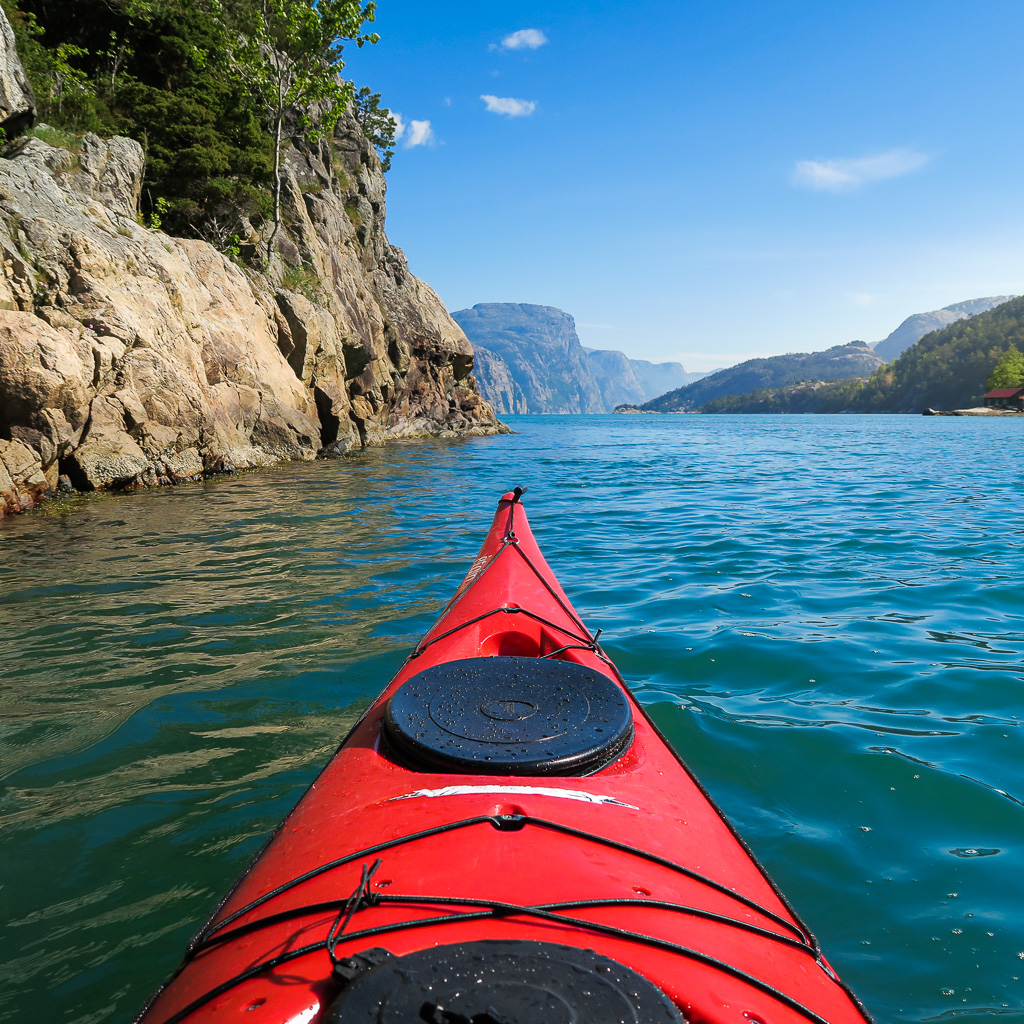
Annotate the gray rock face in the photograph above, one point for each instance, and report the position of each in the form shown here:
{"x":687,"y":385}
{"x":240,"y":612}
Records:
{"x":17,"y":104}
{"x":496,"y":382}
{"x":917,"y":326}
{"x":542,"y":354}
{"x":657,"y":378}
{"x":130,"y":358}
{"x":529,"y":359}
{"x":616,"y":380}
{"x":638,"y":380}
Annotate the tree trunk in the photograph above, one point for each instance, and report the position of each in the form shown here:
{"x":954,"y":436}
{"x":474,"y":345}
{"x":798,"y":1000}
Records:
{"x":277,"y":184}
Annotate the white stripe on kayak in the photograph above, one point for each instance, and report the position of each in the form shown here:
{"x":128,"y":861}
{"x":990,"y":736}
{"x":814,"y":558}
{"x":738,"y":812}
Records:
{"x":561,"y":794}
{"x":306,"y":1016}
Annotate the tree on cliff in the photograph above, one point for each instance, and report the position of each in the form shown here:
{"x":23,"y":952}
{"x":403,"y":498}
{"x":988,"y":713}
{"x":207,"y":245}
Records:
{"x":1009,"y":371}
{"x":290,"y":57}
{"x":377,"y":122}
{"x":201,"y":84}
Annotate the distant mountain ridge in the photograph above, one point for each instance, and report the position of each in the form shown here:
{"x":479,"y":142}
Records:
{"x":917,"y":326}
{"x":853,"y":360}
{"x":946,"y":369}
{"x":528,"y":359}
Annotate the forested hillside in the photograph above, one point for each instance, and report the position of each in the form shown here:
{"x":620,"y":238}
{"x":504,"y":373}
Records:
{"x":917,"y":326}
{"x":946,"y":369}
{"x":196,"y":83}
{"x":807,"y":396}
{"x":855,"y":359}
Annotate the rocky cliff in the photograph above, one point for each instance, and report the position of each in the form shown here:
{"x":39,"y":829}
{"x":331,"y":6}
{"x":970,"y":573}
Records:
{"x":529,"y":359}
{"x":657,"y":378}
{"x":920,"y":324}
{"x":613,"y":373}
{"x":622,"y":380}
{"x":130,"y":358}
{"x":543,"y":356}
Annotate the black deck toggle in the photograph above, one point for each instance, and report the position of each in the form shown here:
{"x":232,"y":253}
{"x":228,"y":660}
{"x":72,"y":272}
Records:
{"x":509,"y":716}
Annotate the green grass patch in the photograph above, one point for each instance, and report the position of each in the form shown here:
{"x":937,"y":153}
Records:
{"x":302,"y":278}
{"x":56,"y":137}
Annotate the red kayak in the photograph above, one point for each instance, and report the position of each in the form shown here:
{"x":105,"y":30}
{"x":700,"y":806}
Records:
{"x":505,"y":838}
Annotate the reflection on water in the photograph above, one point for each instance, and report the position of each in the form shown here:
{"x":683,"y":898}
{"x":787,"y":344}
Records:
{"x":823,"y":614}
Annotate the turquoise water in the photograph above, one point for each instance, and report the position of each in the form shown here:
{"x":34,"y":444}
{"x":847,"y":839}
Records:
{"x":824,"y":614}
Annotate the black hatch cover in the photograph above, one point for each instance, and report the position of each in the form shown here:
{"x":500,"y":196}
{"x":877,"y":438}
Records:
{"x":498,"y":982}
{"x":509,"y":716}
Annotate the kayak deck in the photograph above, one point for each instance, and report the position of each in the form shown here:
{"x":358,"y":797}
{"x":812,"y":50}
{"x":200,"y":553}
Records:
{"x":631,"y":860}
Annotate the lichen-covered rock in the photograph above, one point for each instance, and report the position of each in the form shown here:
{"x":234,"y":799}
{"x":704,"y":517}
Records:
{"x":130,"y":358}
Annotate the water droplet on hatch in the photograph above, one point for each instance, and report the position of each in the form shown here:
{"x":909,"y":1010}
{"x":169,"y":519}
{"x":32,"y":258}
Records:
{"x":974,"y":851}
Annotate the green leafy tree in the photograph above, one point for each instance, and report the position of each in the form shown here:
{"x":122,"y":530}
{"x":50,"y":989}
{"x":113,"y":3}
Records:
{"x":1009,"y":371}
{"x":946,"y":369}
{"x":289,"y":55}
{"x":67,"y":79}
{"x":170,"y":74}
{"x":377,"y":124}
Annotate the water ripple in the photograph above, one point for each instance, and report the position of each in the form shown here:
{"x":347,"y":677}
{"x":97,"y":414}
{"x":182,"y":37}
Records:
{"x":822,"y":613}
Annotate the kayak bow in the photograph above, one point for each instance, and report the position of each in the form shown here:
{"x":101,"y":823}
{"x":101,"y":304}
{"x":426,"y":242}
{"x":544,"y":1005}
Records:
{"x":504,"y":837}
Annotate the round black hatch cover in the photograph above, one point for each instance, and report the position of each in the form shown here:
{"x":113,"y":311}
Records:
{"x":509,"y":716}
{"x":501,"y":982}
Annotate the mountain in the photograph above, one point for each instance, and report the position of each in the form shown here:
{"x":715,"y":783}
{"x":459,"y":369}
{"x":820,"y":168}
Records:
{"x":529,"y":359}
{"x":539,"y":347}
{"x":853,"y":360}
{"x":625,"y":381}
{"x":657,"y":378}
{"x":944,"y":370}
{"x":615,"y":377}
{"x":920,"y":324}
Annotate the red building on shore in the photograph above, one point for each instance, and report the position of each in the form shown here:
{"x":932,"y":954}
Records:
{"x":1006,"y":398}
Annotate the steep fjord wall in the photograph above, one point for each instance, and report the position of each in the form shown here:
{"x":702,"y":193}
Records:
{"x":130,"y":358}
{"x":530,"y":360}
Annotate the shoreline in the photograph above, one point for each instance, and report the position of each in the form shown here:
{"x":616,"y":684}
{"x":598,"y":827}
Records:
{"x":980,"y":410}
{"x":42,"y":496}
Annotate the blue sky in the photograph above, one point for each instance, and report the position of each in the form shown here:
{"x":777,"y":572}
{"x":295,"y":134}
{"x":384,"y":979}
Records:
{"x":707,"y":181}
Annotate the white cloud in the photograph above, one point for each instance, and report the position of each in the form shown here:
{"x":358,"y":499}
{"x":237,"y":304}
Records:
{"x":420,"y":134}
{"x":507,"y":105}
{"x":399,"y":123}
{"x":845,"y":175}
{"x":524,"y":39}
{"x":863,"y":298}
